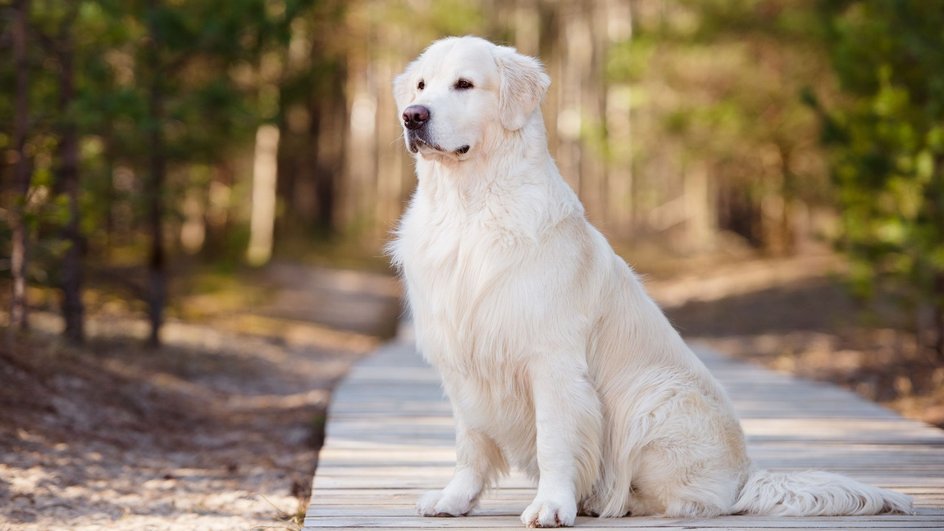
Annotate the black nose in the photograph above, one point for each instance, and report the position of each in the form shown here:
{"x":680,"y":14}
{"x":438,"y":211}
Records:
{"x":415,"y":116}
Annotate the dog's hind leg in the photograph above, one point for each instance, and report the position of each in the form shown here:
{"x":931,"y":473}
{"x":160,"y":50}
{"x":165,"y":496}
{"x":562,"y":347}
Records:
{"x":694,"y":478}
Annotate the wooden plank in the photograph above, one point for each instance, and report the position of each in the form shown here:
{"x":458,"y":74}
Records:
{"x":390,"y":437}
{"x":504,"y":521}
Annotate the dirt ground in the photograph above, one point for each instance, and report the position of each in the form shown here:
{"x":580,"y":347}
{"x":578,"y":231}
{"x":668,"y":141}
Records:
{"x":219,"y":429}
{"x":795,"y":316}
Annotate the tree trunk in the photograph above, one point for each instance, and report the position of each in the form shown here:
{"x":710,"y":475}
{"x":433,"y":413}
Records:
{"x":618,"y":117}
{"x":73,"y":311}
{"x":111,"y":195}
{"x":19,"y":253}
{"x":937,"y":315}
{"x":937,"y":296}
{"x":156,"y":270}
{"x":264,"y":183}
{"x":329,"y":163}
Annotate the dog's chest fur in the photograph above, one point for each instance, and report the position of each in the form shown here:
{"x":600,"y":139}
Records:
{"x":473,"y":276}
{"x":452,"y":261}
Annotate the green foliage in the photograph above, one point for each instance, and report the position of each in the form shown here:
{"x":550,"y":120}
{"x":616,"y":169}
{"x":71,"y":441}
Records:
{"x":723,"y":82}
{"x":206,"y":56}
{"x":442,"y":18}
{"x":721,"y":88}
{"x":887,"y":141}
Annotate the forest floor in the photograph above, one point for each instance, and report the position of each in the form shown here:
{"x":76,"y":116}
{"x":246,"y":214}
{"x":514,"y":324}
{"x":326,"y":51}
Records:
{"x":219,"y":429}
{"x":796,"y":316}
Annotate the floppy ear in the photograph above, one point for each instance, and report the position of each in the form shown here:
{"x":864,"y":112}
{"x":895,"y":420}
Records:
{"x":523,"y":86}
{"x":403,"y":85}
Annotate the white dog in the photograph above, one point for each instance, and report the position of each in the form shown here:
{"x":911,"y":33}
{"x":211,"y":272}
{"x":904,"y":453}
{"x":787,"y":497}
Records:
{"x":554,"y":357}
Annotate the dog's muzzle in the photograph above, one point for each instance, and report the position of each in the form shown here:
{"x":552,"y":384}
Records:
{"x":415,"y":118}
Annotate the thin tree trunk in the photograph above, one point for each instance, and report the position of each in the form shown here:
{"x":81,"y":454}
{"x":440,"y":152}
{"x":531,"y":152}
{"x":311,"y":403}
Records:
{"x":787,"y":236}
{"x":111,"y":196}
{"x":73,"y":311}
{"x":264,"y":184}
{"x":938,"y":315}
{"x":19,"y":253}
{"x":157,"y":267}
{"x":312,"y":160}
{"x":937,"y":296}
{"x":330,"y":158}
{"x":620,"y":204}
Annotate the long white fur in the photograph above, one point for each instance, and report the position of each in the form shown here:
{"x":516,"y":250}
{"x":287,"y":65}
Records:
{"x":552,"y":354}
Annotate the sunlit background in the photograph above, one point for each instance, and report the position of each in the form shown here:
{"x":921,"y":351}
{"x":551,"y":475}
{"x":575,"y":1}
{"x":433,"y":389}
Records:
{"x":195,"y":195}
{"x":146,"y":142}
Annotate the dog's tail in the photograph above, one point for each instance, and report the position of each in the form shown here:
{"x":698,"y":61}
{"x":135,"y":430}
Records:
{"x":815,"y":494}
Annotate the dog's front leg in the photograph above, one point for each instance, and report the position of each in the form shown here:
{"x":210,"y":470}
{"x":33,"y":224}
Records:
{"x":478,"y":460}
{"x":569,"y":427}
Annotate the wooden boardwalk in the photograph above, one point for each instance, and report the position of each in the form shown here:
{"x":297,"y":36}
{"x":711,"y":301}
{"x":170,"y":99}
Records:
{"x":390,"y":437}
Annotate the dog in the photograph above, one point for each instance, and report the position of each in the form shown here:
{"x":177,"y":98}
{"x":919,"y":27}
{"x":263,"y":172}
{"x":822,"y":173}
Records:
{"x":554,"y":358}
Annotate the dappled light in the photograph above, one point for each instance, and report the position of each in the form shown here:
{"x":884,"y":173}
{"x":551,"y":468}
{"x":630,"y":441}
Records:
{"x":197,"y":200}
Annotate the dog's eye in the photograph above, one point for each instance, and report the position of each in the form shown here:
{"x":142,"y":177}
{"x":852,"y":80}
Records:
{"x":463,"y":84}
{"x":421,"y":85}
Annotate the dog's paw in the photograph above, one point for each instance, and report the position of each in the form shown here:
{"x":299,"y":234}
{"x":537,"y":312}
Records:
{"x":439,"y":503}
{"x":547,"y":512}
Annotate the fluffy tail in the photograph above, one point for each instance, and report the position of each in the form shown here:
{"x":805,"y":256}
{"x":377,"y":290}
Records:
{"x":815,"y":494}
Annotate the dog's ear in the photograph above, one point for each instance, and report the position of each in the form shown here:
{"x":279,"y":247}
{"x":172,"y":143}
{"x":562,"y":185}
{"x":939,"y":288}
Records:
{"x":523,"y":86}
{"x":403,"y":85}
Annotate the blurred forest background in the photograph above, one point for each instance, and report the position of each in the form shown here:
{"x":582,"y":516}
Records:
{"x":219,"y":176}
{"x":144,"y":138}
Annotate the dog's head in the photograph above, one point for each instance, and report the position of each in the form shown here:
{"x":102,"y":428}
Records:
{"x":464,"y":91}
